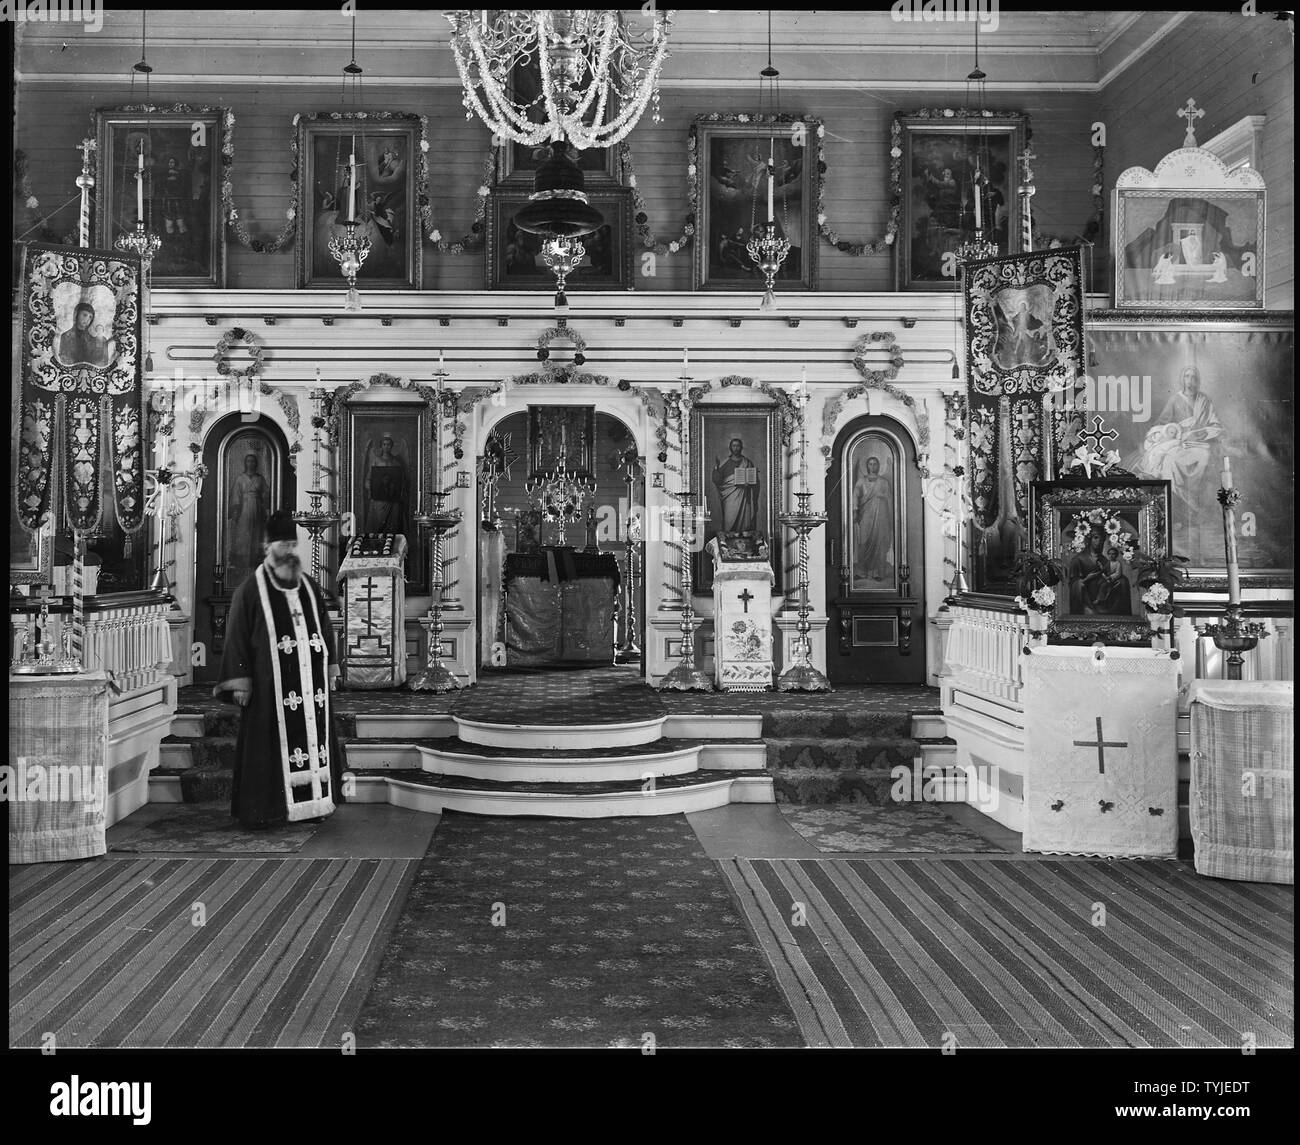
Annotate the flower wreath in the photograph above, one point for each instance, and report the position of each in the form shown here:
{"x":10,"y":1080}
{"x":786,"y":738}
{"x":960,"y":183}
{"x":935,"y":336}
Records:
{"x":238,"y":336}
{"x":546,"y":337}
{"x":1118,"y":534}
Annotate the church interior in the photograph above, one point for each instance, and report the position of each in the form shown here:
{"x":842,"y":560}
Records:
{"x":786,"y":501}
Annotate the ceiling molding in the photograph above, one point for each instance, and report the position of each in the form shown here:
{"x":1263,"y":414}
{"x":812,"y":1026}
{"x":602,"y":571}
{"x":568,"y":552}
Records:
{"x":1142,"y":49}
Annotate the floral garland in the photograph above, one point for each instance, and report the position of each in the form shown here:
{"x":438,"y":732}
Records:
{"x":641,"y":212}
{"x":238,"y":336}
{"x":1118,"y":534}
{"x":546,"y":337}
{"x":876,"y":246}
{"x":477,"y":231}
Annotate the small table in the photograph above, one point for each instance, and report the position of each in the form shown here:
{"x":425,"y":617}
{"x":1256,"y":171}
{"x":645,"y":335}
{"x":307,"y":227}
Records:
{"x":1241,"y":802}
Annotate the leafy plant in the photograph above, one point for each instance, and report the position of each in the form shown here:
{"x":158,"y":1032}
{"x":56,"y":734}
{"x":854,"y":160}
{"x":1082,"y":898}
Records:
{"x":1169,"y":571}
{"x":1033,"y":570}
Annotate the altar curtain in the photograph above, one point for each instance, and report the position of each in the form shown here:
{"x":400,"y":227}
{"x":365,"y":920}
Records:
{"x":1242,"y":799}
{"x":59,"y":725}
{"x":1120,"y":798}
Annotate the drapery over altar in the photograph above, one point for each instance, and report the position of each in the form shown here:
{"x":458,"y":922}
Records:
{"x":1101,"y":759}
{"x":374,"y":612}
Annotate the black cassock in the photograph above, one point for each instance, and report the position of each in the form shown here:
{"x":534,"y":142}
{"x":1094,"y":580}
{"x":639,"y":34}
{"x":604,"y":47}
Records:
{"x":280,"y":646}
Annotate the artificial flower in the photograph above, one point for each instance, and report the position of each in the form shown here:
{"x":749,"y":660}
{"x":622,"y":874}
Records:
{"x":1044,"y":598}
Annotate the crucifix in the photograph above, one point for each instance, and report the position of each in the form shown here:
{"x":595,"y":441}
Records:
{"x":745,"y":597}
{"x":1191,"y":113}
{"x":1101,"y":744}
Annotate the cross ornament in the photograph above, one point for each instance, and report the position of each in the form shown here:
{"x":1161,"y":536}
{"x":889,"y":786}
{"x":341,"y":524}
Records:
{"x":745,"y":597}
{"x":293,"y":701}
{"x":1191,"y":113}
{"x":317,"y":644}
{"x":1098,"y":436}
{"x":287,"y":644}
{"x":319,"y":698}
{"x":299,"y":757}
{"x":1101,"y":744}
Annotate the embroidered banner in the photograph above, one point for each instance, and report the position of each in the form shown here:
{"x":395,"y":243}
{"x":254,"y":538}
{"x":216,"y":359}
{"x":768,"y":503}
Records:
{"x":1101,"y":763}
{"x":81,"y":391}
{"x":374,"y":615}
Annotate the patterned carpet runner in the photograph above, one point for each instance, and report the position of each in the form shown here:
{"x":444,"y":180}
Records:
{"x":615,"y":931}
{"x":206,"y":828}
{"x":107,"y":954}
{"x":916,"y":828}
{"x":996,"y":953}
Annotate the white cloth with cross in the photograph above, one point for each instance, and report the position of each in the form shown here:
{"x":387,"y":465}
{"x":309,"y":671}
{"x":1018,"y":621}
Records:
{"x":1101,"y":756}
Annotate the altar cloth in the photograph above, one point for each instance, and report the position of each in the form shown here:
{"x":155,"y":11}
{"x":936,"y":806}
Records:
{"x":1101,"y":761}
{"x":1242,"y":799}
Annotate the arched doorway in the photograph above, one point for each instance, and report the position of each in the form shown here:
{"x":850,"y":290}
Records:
{"x":875,"y":580}
{"x":250,"y":477}
{"x":606,"y":542}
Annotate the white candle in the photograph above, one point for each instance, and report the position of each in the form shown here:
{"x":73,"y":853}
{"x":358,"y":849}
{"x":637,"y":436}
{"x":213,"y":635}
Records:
{"x":685,"y":363}
{"x":139,"y":185}
{"x":352,"y":182}
{"x":1230,"y":541}
{"x":1227,"y":474}
{"x":771,"y":214}
{"x":979,"y":214}
{"x":441,"y":363}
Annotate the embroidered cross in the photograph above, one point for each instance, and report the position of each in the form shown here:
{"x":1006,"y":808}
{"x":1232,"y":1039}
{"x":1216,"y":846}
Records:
{"x":745,"y":597}
{"x":296,"y":613}
{"x":299,"y":757}
{"x":319,"y":698}
{"x":287,"y":644}
{"x":1101,"y":745}
{"x":293,"y":701}
{"x":317,"y":644}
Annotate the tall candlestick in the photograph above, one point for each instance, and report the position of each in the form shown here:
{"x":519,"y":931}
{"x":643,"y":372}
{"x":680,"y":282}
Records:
{"x":352,"y":182}
{"x":139,"y":185}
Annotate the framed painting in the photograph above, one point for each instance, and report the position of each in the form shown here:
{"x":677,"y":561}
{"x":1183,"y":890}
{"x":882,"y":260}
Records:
{"x":730,"y":160}
{"x":170,"y":163}
{"x":1096,"y":529}
{"x":249,"y":481}
{"x":1175,"y":400}
{"x":560,"y":436}
{"x":514,"y":257}
{"x":31,"y":555}
{"x":385,"y":198}
{"x":386,"y":467}
{"x":736,"y":466}
{"x":942,"y":150}
{"x":873,"y":507}
{"x":1189,"y":235}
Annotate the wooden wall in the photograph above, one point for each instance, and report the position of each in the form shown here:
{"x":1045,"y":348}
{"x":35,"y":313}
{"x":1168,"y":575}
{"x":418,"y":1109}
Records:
{"x":53,"y":118}
{"x":1233,"y":66}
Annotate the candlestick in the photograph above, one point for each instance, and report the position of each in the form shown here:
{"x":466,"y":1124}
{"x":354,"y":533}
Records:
{"x":139,"y":185}
{"x":352,"y":183}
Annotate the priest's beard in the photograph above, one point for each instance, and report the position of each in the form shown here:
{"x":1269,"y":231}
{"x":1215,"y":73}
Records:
{"x":286,"y":567}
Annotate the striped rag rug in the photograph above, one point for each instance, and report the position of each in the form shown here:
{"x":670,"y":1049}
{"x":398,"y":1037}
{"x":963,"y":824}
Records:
{"x":992,"y":953}
{"x":196,"y":953}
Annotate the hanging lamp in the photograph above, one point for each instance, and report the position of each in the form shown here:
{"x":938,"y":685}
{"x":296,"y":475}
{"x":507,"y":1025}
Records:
{"x":766,"y":249}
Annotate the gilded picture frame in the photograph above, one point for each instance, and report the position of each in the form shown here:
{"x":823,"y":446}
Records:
{"x":1095,"y":528}
{"x":387,"y":150}
{"x":750,"y":509}
{"x":514,"y":257}
{"x":730,"y":191}
{"x":185,"y":157}
{"x":940,"y":147}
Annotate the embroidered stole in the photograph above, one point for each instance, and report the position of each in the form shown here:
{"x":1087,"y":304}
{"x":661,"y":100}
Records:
{"x":300,"y":670}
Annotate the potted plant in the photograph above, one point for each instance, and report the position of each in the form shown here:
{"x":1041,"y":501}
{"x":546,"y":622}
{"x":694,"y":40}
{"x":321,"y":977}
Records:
{"x":1036,"y":577}
{"x":1158,"y":577}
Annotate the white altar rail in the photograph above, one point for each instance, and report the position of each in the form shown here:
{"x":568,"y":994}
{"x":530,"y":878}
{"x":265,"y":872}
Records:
{"x":127,"y":635}
{"x":984,"y":647}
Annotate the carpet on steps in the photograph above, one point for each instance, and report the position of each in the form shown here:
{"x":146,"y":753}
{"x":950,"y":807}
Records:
{"x":616,"y":933}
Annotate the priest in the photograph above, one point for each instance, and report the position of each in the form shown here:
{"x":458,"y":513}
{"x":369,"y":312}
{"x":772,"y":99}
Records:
{"x":280,"y":666}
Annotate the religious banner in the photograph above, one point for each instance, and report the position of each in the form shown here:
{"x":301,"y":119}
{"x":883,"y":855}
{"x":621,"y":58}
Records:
{"x":1024,"y":341}
{"x":374,"y":612}
{"x":1101,"y":757}
{"x":81,"y":393}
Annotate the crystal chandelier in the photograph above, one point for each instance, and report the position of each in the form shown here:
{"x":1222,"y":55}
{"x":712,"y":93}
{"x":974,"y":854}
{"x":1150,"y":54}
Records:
{"x":597,"y":71}
{"x":766,"y":249}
